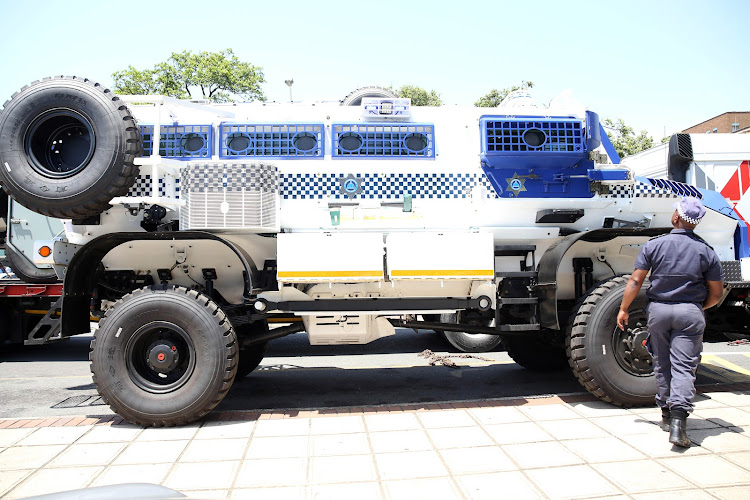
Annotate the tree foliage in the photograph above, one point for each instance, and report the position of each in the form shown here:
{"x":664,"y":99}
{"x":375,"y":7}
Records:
{"x":624,"y":140}
{"x":495,"y":97}
{"x":215,"y":76}
{"x":419,"y":96}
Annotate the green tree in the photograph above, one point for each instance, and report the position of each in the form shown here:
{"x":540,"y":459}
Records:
{"x":215,"y":76}
{"x":624,"y":140}
{"x":419,"y":96}
{"x":495,"y":97}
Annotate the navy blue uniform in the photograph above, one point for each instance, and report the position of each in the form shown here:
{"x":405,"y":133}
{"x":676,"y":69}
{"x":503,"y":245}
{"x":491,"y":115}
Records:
{"x":680,"y":265}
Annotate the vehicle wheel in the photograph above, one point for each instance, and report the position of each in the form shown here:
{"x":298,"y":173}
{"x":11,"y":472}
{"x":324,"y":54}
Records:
{"x":534,"y":354}
{"x":470,"y":342}
{"x":67,"y":145}
{"x":26,"y":270}
{"x":355,"y":98}
{"x":163,"y":355}
{"x":251,"y":355}
{"x":612,"y":364}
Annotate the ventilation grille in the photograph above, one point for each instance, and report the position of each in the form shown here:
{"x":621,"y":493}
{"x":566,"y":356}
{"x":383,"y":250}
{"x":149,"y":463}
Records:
{"x":383,"y":140}
{"x":685,"y":146}
{"x":271,"y":140}
{"x":183,"y":142}
{"x":504,"y":135}
{"x":224,"y":196}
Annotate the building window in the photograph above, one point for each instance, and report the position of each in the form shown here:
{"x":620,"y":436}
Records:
{"x":735,"y":127}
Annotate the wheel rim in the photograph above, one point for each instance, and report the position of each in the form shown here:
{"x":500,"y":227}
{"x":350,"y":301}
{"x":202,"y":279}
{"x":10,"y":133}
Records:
{"x":160,"y":357}
{"x":629,"y":347}
{"x":60,"y":143}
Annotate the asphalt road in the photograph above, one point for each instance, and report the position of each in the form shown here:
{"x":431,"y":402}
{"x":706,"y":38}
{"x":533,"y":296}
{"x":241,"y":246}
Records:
{"x":54,"y":380}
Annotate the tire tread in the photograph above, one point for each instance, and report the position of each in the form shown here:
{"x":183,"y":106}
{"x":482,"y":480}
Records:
{"x":231,"y":356}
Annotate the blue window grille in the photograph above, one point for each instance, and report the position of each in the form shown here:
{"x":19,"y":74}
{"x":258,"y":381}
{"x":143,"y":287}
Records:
{"x":532,"y":135}
{"x":272,"y":140}
{"x":182,"y":142}
{"x":383,"y":140}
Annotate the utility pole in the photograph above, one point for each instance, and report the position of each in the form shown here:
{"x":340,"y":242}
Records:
{"x":289,"y":84}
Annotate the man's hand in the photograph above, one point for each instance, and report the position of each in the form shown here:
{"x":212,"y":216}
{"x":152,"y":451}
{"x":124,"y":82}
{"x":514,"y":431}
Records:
{"x":622,"y":319}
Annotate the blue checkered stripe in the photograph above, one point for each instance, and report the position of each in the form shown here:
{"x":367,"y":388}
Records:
{"x":142,"y":187}
{"x":660,"y":188}
{"x":388,"y":186}
{"x":230,"y":177}
{"x":620,"y":191}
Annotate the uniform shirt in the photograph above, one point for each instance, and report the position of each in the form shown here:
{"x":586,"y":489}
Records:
{"x":680,"y":265}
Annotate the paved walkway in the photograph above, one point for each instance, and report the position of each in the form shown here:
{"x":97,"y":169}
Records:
{"x":552,"y":447}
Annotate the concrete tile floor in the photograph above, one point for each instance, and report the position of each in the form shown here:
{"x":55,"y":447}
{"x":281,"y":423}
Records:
{"x":547,"y":448}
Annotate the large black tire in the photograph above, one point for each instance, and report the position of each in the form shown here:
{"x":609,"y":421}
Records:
{"x":469,"y":342}
{"x":355,"y":98}
{"x":611,"y":364}
{"x":78,"y":176}
{"x":534,"y":354}
{"x":251,"y":355}
{"x":164,"y":355}
{"x":26,"y":270}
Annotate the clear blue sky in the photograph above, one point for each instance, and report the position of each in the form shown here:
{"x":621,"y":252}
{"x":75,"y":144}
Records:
{"x":655,"y":64}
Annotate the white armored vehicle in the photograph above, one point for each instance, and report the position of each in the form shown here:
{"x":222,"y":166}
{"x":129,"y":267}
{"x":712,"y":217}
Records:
{"x":190,"y":226}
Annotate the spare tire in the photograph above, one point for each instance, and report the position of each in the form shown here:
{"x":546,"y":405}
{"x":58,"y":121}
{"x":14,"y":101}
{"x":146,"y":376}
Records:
{"x":67,"y":147}
{"x":355,"y":98}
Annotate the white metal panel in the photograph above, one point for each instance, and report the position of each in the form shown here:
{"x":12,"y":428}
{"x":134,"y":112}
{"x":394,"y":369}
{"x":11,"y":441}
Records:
{"x":310,"y":257}
{"x":455,"y":255}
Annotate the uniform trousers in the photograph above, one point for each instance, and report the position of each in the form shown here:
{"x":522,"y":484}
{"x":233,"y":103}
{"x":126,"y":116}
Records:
{"x":675,"y":341}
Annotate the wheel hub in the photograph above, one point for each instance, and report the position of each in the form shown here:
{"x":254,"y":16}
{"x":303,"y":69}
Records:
{"x":639,"y":338}
{"x":162,"y":356}
{"x":630,"y":348}
{"x":60,"y":143}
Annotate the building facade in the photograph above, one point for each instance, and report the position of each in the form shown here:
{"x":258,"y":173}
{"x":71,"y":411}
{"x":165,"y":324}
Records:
{"x":725,"y":123}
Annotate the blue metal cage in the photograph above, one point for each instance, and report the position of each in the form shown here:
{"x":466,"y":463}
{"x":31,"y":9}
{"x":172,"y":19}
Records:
{"x":532,"y":135}
{"x":182,"y":142}
{"x":536,"y":157}
{"x":383,"y":140}
{"x":272,"y":140}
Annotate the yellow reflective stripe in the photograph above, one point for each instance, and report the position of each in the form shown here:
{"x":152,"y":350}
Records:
{"x":43,"y":312}
{"x":444,"y":272}
{"x":329,"y":274}
{"x":284,"y":320}
{"x":727,"y":364}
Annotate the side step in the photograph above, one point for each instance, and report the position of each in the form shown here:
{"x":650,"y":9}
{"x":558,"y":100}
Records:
{"x":48,"y":328}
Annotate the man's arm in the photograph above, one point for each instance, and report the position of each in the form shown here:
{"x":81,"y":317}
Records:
{"x":631,"y":292}
{"x":715,"y":290}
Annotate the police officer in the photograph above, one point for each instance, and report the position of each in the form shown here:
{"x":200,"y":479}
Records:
{"x":685,"y":279}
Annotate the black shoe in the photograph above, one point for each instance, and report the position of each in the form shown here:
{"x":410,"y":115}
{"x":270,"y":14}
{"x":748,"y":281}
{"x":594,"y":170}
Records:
{"x":665,"y":419}
{"x":678,"y":429}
